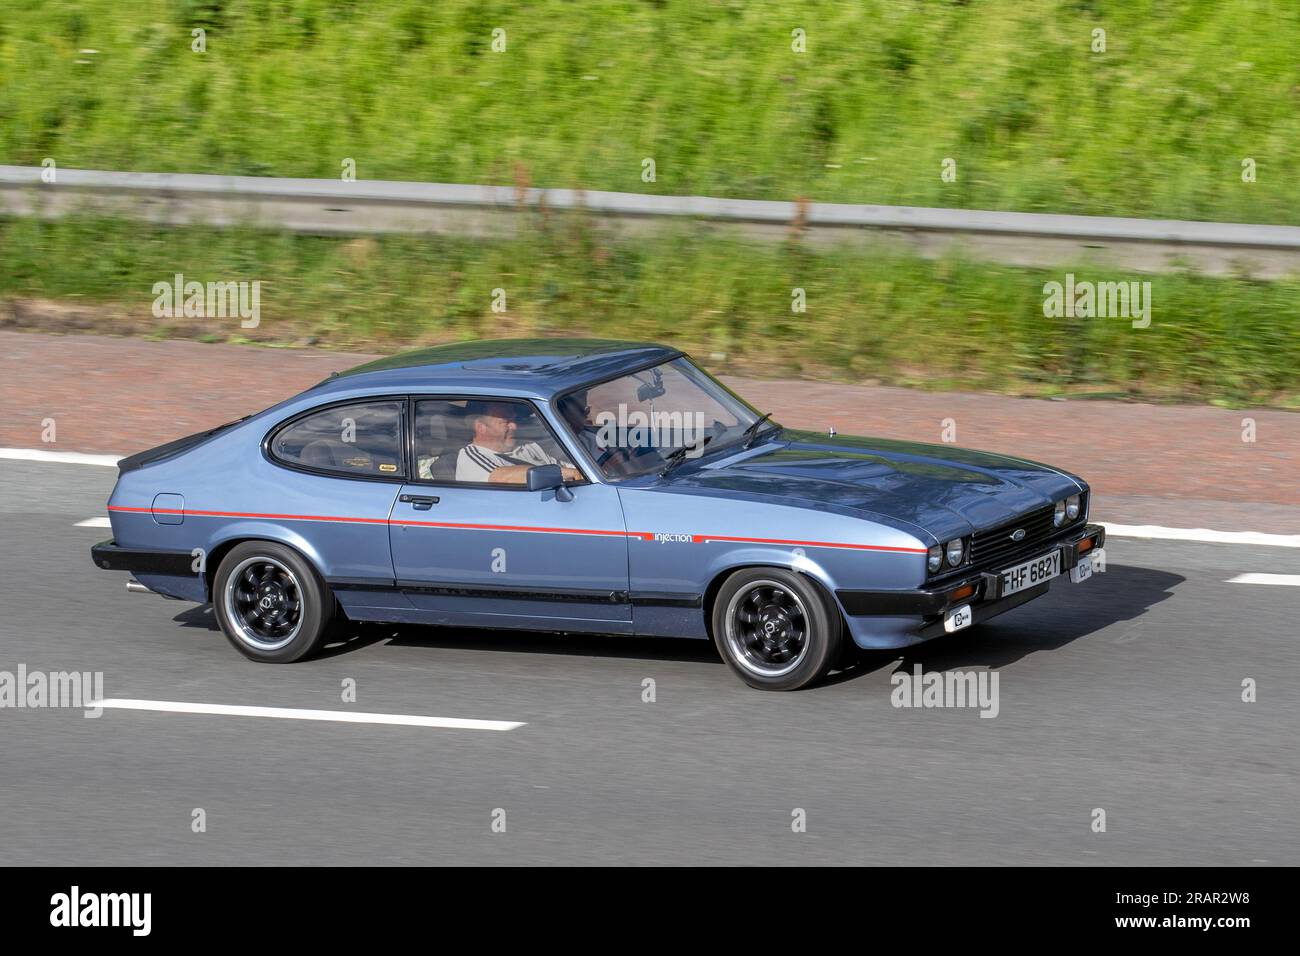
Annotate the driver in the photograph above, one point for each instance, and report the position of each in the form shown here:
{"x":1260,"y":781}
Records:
{"x":493,"y":455}
{"x":576,"y":411}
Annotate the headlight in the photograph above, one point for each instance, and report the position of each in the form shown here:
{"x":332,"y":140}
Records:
{"x":954,"y":551}
{"x":934,"y":559}
{"x":1058,"y":516}
{"x":1072,"y":507}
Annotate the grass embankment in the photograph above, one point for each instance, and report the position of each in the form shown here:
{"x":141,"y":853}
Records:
{"x":1157,"y":125}
{"x":870,"y":314}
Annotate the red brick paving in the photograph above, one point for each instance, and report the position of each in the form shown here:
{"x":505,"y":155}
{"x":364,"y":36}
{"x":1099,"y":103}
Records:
{"x":120,"y":395}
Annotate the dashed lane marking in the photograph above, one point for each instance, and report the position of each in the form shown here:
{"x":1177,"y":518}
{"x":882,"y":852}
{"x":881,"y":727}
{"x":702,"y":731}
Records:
{"x":1293,"y":580}
{"x":293,"y":713}
{"x":1201,"y":534}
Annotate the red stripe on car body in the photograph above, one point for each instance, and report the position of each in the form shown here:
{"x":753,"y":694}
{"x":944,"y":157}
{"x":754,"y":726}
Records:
{"x":705,"y":538}
{"x":534,"y":529}
{"x":520,"y":527}
{"x":246,"y":514}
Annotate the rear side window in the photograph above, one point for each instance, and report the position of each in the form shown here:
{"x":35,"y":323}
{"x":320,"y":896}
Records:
{"x":363,"y":440}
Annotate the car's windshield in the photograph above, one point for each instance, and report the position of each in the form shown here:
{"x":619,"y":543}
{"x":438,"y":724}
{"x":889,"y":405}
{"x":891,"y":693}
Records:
{"x":633,"y":424}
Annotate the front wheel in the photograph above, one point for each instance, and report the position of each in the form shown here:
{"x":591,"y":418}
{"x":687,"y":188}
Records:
{"x":776,"y":629}
{"x":271,"y":604}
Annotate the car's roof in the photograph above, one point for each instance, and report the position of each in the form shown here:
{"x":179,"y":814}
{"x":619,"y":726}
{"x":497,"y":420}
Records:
{"x":541,"y":368}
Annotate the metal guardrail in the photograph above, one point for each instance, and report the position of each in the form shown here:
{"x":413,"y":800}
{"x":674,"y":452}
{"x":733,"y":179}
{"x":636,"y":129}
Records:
{"x":368,"y":206}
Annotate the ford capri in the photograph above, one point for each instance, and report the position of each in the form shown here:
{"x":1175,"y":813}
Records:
{"x":571,"y":486}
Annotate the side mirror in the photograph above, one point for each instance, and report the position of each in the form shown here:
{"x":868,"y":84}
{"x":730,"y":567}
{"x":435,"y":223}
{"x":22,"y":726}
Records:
{"x":546,"y":477}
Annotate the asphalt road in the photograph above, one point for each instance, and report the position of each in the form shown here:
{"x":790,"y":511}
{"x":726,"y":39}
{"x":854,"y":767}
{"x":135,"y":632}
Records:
{"x":1123,"y":693}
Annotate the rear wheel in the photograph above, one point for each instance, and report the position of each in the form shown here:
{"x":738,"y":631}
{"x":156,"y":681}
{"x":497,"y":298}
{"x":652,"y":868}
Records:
{"x":271,"y":603}
{"x":776,"y":629}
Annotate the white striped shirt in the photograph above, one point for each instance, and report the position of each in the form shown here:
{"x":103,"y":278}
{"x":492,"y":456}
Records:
{"x":476,"y":463}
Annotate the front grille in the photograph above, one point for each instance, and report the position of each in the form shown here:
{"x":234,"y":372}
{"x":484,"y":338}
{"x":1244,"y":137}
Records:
{"x":993,"y":549}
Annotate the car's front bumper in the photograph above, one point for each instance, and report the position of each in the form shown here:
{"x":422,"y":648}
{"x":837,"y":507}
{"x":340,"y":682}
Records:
{"x":903,"y":617}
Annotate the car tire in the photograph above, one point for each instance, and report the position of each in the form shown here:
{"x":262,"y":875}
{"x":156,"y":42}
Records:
{"x":777,"y":630}
{"x":271,"y":604}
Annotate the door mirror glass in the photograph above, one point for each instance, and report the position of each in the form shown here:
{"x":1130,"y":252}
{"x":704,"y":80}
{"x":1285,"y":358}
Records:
{"x":544,"y":477}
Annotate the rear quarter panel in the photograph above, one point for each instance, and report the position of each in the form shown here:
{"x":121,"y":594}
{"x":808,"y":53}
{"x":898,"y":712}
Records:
{"x":231,"y":491}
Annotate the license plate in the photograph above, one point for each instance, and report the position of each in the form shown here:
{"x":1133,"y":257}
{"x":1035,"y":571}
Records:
{"x":1032,"y":573}
{"x":957,"y":618}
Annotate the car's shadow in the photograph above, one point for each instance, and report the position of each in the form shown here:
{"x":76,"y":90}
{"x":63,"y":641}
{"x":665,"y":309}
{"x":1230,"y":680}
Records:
{"x":354,"y":635}
{"x":1065,"y":614}
{"x":198,"y":615}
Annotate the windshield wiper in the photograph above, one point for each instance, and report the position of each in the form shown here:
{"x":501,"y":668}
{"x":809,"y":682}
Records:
{"x":676,"y":457}
{"x":751,"y":433}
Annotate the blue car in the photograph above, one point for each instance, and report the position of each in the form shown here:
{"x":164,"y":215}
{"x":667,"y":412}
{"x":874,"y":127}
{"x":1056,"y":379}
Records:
{"x":585,"y":485}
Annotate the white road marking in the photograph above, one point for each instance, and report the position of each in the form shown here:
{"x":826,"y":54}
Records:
{"x":66,"y":457}
{"x":292,"y":713}
{"x":100,"y":522}
{"x":1254,"y":578}
{"x":1201,"y":534}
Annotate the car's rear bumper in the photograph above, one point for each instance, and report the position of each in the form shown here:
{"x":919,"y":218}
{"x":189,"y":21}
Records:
{"x":111,"y":556}
{"x":897,"y":618}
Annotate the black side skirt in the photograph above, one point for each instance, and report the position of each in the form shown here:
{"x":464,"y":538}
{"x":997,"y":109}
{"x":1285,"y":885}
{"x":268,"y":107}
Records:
{"x":504,"y":593}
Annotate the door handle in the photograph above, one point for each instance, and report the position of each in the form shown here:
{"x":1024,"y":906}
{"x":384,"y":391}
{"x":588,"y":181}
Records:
{"x":420,"y":502}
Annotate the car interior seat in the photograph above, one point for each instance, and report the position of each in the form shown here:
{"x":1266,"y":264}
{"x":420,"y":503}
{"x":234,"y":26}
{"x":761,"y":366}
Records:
{"x":456,"y":432}
{"x":320,"y":454}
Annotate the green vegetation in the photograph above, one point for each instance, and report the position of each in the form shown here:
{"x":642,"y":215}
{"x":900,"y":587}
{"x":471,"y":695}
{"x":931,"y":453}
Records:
{"x":1157,"y":125}
{"x":871,"y":314}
